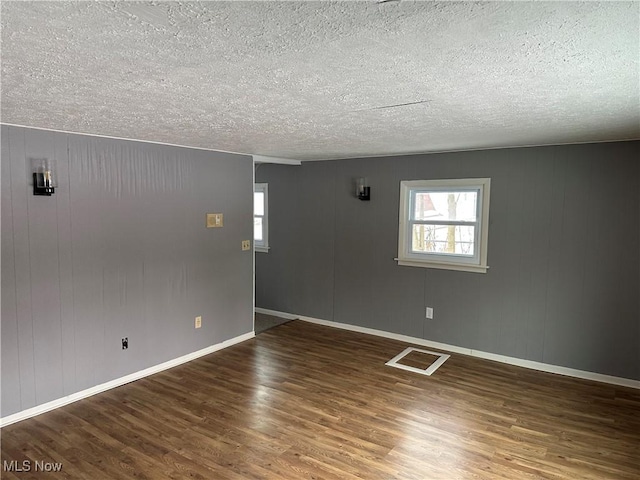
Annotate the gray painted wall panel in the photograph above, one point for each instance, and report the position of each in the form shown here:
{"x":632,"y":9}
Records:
{"x":65,"y":265}
{"x":316,"y":223}
{"x":574,"y":315}
{"x":45,"y":279}
{"x":88,"y":250}
{"x":10,"y":393}
{"x":563,"y":253}
{"x":616,"y":302}
{"x":120,"y":250}
{"x":20,"y":188}
{"x":354,"y":250}
{"x":533,"y":299}
{"x":510,"y":337}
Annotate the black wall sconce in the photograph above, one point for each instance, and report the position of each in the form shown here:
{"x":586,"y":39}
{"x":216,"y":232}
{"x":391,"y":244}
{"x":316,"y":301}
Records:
{"x":44,"y":179}
{"x":363,"y":190}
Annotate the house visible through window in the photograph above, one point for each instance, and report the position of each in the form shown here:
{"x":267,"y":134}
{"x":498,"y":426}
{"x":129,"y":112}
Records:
{"x":444,"y":224}
{"x":261,"y":217}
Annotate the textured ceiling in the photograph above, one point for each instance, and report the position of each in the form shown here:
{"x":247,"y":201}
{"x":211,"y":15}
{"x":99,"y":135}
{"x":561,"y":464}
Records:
{"x":321,"y":80}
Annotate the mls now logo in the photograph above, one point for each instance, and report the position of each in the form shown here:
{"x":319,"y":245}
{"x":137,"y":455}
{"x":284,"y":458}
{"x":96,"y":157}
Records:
{"x":28,"y":466}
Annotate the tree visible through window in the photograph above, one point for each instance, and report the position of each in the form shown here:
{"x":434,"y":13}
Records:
{"x":443,"y":223}
{"x":431,"y":237}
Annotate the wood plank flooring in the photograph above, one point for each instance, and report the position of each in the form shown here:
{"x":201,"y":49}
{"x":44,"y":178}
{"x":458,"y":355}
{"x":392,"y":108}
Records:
{"x":263,"y":322}
{"x":303,"y":401}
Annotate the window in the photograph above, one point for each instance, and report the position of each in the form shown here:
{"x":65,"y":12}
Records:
{"x":261,"y":217}
{"x":444,"y":224}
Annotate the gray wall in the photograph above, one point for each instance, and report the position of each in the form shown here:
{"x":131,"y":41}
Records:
{"x":120,"y":250}
{"x":564,"y":276}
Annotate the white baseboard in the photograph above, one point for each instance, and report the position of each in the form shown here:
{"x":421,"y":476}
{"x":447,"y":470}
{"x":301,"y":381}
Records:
{"x":46,"y":407}
{"x":543,"y":367}
{"x":275,"y":313}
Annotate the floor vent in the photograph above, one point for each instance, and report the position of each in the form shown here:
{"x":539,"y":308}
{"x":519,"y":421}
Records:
{"x":414,"y":360}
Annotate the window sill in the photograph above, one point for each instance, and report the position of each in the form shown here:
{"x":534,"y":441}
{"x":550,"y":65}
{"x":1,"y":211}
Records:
{"x":262,"y":249}
{"x":461,"y":267}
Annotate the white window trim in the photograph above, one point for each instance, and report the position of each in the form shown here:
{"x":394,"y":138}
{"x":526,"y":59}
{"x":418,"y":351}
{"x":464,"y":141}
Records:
{"x":264,"y":246}
{"x":406,"y":258}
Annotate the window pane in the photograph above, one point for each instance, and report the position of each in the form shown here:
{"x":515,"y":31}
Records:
{"x":258,"y":203}
{"x":445,"y":206}
{"x":448,"y":239}
{"x":257,"y":229}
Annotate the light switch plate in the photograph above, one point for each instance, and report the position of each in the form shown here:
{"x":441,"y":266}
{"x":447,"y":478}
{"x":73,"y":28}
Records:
{"x":214,"y":220}
{"x":198,"y":322}
{"x":246,"y":245}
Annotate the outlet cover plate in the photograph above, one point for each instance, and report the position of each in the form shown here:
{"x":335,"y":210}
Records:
{"x":215,"y":220}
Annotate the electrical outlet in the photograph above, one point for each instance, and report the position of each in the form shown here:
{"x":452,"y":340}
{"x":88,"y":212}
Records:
{"x":429,"y":313}
{"x":215,"y":220}
{"x":198,"y":322}
{"x":246,"y":245}
{"x":125,"y":343}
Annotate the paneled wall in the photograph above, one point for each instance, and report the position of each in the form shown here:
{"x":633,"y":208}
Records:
{"x":564,"y":236}
{"x":120,"y":250}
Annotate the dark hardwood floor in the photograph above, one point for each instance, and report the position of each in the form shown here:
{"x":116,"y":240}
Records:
{"x":303,"y":401}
